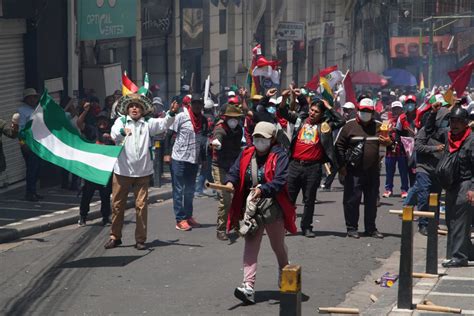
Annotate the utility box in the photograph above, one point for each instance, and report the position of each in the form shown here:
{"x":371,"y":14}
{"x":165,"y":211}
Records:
{"x":102,"y":79}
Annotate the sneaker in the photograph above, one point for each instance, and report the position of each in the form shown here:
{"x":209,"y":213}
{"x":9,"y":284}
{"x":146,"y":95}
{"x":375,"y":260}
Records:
{"x":82,"y":221}
{"x":193,"y":223}
{"x":183,"y":225}
{"x":140,"y":246}
{"x":387,"y":194}
{"x":374,"y":234}
{"x":112,"y":243}
{"x":245,"y":293}
{"x":353,"y":234}
{"x":423,"y":230}
{"x":404,"y":194}
{"x":222,"y":236}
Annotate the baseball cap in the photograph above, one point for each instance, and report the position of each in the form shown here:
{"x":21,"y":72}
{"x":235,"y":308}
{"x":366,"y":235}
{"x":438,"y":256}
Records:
{"x":185,"y":88}
{"x":233,"y":100}
{"x":197,"y":98}
{"x":459,"y":112}
{"x":348,"y":105}
{"x":231,"y":94}
{"x":366,"y":104}
{"x":208,"y":104}
{"x":411,"y":98}
{"x":264,"y":129}
{"x":273,"y":101}
{"x":187,"y":99}
{"x":396,"y":104}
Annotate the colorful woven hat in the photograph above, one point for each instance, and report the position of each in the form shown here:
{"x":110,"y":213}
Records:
{"x":126,"y":100}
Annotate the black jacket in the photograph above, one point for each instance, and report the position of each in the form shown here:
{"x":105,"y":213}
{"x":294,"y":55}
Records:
{"x":333,"y":119}
{"x":231,"y":145}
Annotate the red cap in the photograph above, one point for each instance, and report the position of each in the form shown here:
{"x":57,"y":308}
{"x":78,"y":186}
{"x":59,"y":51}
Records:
{"x":410,"y":97}
{"x":187,"y":99}
{"x":233,"y":100}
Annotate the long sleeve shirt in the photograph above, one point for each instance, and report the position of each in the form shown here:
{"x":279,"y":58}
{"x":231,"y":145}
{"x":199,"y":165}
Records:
{"x":135,"y":159}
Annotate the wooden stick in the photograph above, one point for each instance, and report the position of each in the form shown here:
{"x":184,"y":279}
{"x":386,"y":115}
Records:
{"x":425,"y":275}
{"x":373,"y":298}
{"x":427,"y":302}
{"x":415,"y":213}
{"x":338,"y":310}
{"x":442,"y":232}
{"x":327,"y":166}
{"x":217,"y":186}
{"x":437,"y":308}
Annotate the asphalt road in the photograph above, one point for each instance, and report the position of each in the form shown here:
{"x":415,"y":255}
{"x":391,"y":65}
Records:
{"x":68,"y":272}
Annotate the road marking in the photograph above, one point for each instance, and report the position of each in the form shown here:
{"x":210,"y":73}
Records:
{"x":457,"y":278}
{"x":47,"y":215}
{"x":32,"y":219}
{"x":62,"y":212}
{"x":15,"y":224}
{"x":452,"y":294}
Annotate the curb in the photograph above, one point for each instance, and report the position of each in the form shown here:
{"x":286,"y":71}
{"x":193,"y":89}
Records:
{"x":69,"y":217}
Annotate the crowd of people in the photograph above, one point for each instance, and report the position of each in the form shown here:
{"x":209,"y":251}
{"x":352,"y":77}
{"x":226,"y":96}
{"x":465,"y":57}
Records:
{"x":264,"y":149}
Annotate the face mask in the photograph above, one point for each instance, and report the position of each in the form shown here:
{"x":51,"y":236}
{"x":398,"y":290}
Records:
{"x":272,"y":110}
{"x":365,"y":116}
{"x":232,"y":123}
{"x":262,"y":144}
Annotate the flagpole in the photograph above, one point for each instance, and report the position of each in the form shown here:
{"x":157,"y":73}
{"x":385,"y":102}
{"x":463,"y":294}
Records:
{"x":345,"y":76}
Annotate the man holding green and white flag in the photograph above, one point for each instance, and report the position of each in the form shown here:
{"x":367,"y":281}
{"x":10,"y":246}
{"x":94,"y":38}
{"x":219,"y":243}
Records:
{"x":50,"y":135}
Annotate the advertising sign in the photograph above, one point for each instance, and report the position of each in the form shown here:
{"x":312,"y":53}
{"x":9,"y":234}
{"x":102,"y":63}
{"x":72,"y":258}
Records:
{"x":105,"y":19}
{"x":410,"y":46}
{"x":290,"y":31}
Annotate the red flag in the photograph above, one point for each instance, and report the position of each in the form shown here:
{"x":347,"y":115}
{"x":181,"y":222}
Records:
{"x":350,"y":94}
{"x":460,"y":78}
{"x":327,"y":71}
{"x":127,"y":85}
{"x":313,"y":84}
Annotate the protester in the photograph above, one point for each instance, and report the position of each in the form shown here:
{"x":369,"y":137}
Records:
{"x":95,"y":129}
{"x":259,"y":178}
{"x":69,"y":180}
{"x":225,"y":143}
{"x":348,"y":111}
{"x":357,"y":151}
{"x":455,"y":173}
{"x":30,"y":101}
{"x":190,"y":130}
{"x":311,"y":147}
{"x":395,"y":155}
{"x":134,"y":165}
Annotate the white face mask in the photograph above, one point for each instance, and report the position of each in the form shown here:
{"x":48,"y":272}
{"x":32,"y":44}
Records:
{"x":262,"y":144}
{"x":364,"y":116}
{"x":232,"y":123}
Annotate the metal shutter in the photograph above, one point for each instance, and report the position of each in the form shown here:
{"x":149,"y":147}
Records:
{"x":12,"y":81}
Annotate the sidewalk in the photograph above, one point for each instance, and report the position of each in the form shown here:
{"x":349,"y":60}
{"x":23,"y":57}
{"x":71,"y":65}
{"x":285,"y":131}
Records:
{"x":60,"y":207}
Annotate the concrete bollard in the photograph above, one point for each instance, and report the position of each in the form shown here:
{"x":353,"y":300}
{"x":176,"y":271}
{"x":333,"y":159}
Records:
{"x":405,"y":278}
{"x":290,"y":291}
{"x":432,"y":240}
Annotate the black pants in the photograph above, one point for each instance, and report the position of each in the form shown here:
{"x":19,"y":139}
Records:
{"x":33,"y":163}
{"x":306,"y":178}
{"x":88,"y":191}
{"x":458,"y":219}
{"x":354,"y":185}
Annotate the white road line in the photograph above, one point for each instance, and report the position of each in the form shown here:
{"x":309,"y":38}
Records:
{"x":457,"y":278}
{"x":47,"y":215}
{"x":32,"y":219}
{"x":61,"y":212}
{"x":452,"y":294}
{"x":14,"y":224}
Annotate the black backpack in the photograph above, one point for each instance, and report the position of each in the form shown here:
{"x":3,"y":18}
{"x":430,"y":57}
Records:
{"x":447,"y":170}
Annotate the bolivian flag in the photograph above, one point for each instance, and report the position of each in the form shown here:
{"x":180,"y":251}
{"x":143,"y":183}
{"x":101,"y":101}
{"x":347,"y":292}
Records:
{"x":128,"y":86}
{"x":325,"y":90}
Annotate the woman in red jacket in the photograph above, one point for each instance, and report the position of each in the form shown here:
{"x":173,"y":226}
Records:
{"x":259,"y":178}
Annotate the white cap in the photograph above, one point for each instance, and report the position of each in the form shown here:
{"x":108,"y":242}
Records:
{"x":402,"y":98}
{"x":392,"y":92}
{"x":397,"y":104}
{"x":367,"y":103}
{"x":273,"y":101}
{"x":231,"y":94}
{"x":348,"y":105}
{"x":208,"y":104}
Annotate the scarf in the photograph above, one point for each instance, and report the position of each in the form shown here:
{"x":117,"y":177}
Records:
{"x":195,"y":119}
{"x":455,"y":142}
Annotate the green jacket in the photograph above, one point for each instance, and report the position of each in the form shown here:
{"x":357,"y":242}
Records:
{"x":5,"y":129}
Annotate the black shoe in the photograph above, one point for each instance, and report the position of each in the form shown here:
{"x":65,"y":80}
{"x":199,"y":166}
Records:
{"x":140,"y":246}
{"x":423,"y":230}
{"x":353,"y":234}
{"x":30,"y":197}
{"x":455,"y":263}
{"x":112,"y":243}
{"x":374,"y":234}
{"x":222,"y":236}
{"x":106,"y":222}
{"x":82,"y":221}
{"x":39,"y":197}
{"x":308,"y":233}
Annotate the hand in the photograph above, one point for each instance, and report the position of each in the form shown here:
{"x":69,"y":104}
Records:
{"x":230,"y":185}
{"x":257,"y":193}
{"x":271,"y":92}
{"x":296,"y":92}
{"x":285,"y":93}
{"x":127,"y":131}
{"x":385,"y":141}
{"x":436,"y":106}
{"x":440,"y":147}
{"x":106,"y":136}
{"x":242,"y":92}
{"x":326,"y":104}
{"x":86,"y":106}
{"x":470,"y":197}
{"x":174,"y":107}
{"x":167,"y":158}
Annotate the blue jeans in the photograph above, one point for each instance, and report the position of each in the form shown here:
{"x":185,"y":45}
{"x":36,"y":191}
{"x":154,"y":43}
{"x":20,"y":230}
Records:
{"x":420,"y":194}
{"x":32,"y":162}
{"x":390,"y":165}
{"x":205,"y":174}
{"x":183,"y":177}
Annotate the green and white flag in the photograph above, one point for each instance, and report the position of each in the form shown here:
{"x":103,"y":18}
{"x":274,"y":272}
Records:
{"x":146,"y":85}
{"x":50,"y":135}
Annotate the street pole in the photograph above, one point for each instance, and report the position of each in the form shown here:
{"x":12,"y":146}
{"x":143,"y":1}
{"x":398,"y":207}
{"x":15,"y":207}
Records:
{"x":72,"y":52}
{"x":430,"y":62}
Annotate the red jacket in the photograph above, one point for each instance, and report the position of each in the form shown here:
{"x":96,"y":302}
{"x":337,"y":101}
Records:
{"x":237,"y":210}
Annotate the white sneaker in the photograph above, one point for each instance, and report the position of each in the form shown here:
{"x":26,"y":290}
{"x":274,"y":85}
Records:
{"x":245,"y":293}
